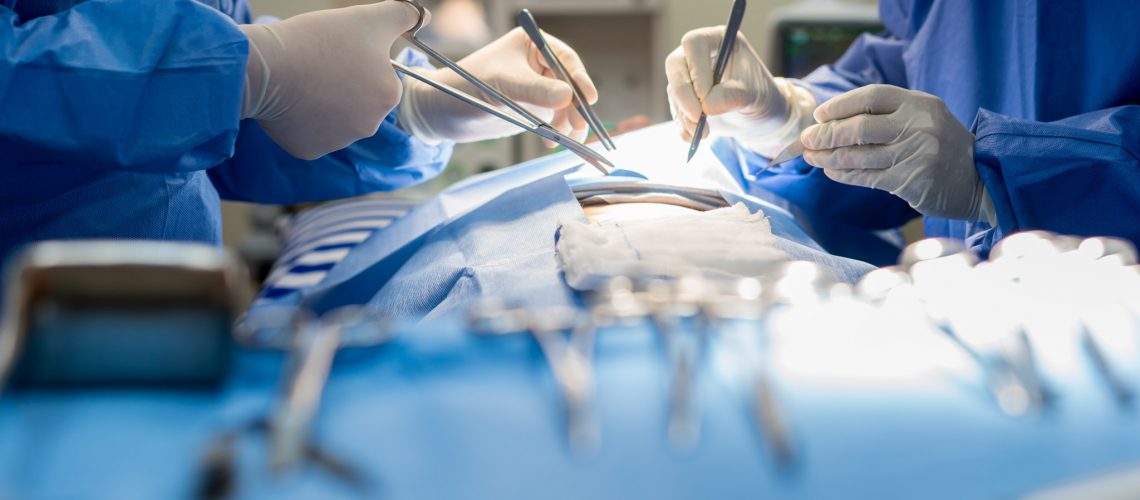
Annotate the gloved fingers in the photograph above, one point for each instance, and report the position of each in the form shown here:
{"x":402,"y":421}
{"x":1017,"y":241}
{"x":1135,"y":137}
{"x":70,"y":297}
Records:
{"x":857,"y":130}
{"x":686,"y":121}
{"x":574,"y":66}
{"x":685,"y":126}
{"x":580,"y":130}
{"x":577,"y":123}
{"x":864,"y":178}
{"x":873,"y":157}
{"x":561,"y":122}
{"x":678,"y":118}
{"x":700,"y":48}
{"x":401,"y":17}
{"x":564,"y":122}
{"x":681,"y":91}
{"x":872,"y":99}
{"x":729,"y":96}
{"x":535,"y":89}
{"x":691,"y":128}
{"x":687,"y":134}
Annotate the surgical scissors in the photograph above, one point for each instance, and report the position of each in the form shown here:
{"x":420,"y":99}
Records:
{"x":536,"y":125}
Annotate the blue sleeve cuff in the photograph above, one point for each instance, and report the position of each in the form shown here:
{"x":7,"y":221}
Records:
{"x":1077,"y":176}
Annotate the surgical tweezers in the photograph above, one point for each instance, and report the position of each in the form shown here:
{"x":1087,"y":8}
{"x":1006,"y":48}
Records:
{"x":536,"y":125}
{"x":526,"y":20}
{"x":727,"y":45}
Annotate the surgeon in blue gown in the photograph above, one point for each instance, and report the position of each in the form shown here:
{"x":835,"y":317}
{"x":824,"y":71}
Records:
{"x":987,"y":116}
{"x":132,"y":118}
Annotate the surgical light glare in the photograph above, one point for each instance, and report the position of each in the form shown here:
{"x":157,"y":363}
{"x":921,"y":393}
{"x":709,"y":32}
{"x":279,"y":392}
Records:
{"x":929,"y":249}
{"x":1013,"y":399}
{"x":691,"y":289}
{"x":620,"y":284}
{"x":1092,"y":249}
{"x":801,"y":271}
{"x":905,"y":295}
{"x":1111,"y":250}
{"x":796,"y":293}
{"x":1022,"y":245}
{"x":749,"y":288}
{"x":879,"y":282}
{"x":659,"y":291}
{"x":798,"y":283}
{"x":841,"y":292}
{"x":620,"y":296}
{"x":942,"y":270}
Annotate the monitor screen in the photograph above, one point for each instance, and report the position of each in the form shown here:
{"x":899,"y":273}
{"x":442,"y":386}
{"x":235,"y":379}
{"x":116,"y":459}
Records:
{"x":807,"y":45}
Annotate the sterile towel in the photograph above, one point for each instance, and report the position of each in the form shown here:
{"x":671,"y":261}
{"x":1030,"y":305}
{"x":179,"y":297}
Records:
{"x":725,"y":243}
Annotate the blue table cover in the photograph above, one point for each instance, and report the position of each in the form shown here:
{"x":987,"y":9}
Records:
{"x":440,"y":413}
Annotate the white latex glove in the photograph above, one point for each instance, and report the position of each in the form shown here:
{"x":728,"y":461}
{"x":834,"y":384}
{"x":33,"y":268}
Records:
{"x":901,"y":141}
{"x":513,"y":66}
{"x":764,"y":113}
{"x":320,"y":81}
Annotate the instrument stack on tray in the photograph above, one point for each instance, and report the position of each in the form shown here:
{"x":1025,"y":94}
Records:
{"x":1045,"y":331}
{"x":942,"y":377}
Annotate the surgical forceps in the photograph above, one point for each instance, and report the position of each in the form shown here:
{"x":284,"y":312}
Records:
{"x":289,"y":427}
{"x":727,"y":45}
{"x":536,"y":125}
{"x":567,"y":344}
{"x":674,"y":312}
{"x":1011,"y":373}
{"x":526,"y":20}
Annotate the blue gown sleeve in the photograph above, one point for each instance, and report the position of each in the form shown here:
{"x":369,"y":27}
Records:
{"x":262,"y":172}
{"x":121,"y":85}
{"x":1078,"y":176}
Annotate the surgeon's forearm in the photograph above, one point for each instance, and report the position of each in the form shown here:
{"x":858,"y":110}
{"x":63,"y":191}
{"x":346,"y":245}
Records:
{"x":1079,"y":176}
{"x":261,"y":172}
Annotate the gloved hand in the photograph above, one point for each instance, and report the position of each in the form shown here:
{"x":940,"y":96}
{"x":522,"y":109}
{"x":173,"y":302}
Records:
{"x":513,"y":66}
{"x":764,"y":113}
{"x":901,"y":141}
{"x":320,"y":81}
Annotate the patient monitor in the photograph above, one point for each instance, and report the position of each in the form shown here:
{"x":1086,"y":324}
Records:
{"x":811,"y":33}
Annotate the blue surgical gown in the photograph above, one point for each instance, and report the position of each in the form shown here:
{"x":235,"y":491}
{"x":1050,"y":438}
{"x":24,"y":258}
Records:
{"x":120,"y":119}
{"x":1051,"y":89}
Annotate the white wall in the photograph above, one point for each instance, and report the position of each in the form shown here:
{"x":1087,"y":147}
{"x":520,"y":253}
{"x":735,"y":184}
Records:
{"x":286,"y":8}
{"x":681,"y":17}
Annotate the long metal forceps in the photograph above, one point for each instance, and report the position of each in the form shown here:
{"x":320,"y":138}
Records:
{"x":528,"y":24}
{"x":536,"y":125}
{"x":727,"y":45}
